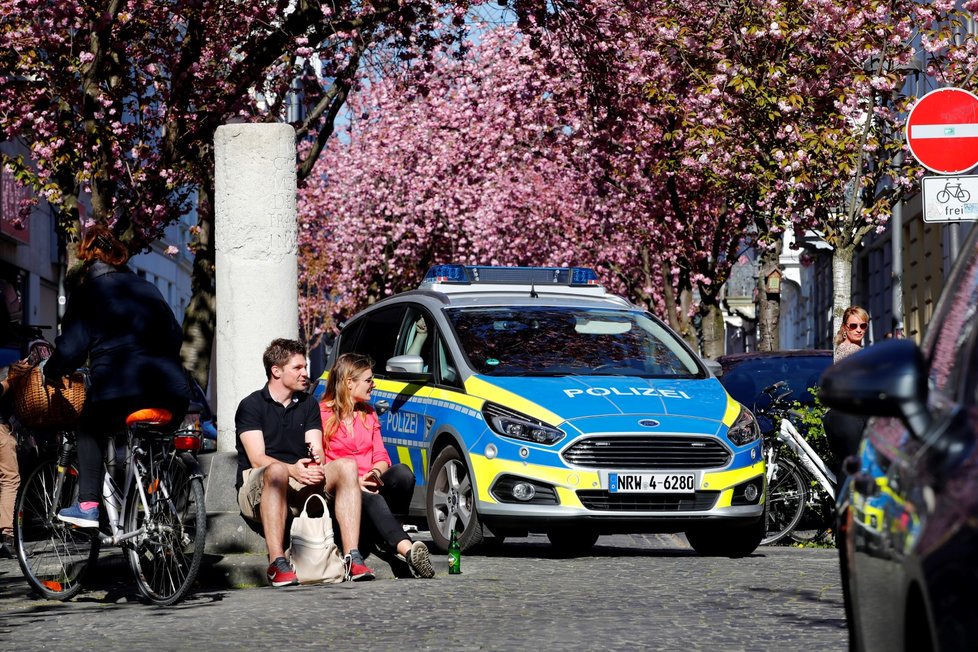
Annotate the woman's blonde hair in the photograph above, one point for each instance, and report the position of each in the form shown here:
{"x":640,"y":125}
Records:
{"x":840,"y":337}
{"x":338,"y":397}
{"x":98,"y":243}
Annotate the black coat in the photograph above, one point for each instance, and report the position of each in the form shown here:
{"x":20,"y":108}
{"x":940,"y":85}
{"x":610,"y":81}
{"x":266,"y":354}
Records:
{"x":127,"y":332}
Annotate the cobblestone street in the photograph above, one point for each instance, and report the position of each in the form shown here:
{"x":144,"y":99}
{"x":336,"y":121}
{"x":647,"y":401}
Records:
{"x":634,"y":591}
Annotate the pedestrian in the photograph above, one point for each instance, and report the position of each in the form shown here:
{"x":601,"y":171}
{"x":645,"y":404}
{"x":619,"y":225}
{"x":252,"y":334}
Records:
{"x":351,"y":430}
{"x":9,"y":482}
{"x":275,"y":475}
{"x":15,"y":345}
{"x":121,"y":325}
{"x":9,"y":471}
{"x":849,"y":339}
{"x":842,"y":430}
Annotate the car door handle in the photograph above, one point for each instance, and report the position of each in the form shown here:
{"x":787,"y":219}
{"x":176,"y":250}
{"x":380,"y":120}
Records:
{"x":382,"y":406}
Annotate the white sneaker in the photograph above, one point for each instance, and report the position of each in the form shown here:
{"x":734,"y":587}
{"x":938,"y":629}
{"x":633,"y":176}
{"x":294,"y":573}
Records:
{"x":419,"y":560}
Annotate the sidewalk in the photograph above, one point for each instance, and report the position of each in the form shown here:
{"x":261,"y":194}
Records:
{"x":234,"y":557}
{"x":112,"y":581}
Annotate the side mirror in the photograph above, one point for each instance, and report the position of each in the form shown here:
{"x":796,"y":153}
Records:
{"x":714,"y":367}
{"x":887,"y":379}
{"x":409,"y":368}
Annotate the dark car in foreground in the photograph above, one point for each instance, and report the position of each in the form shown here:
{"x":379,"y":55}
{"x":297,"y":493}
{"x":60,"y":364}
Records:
{"x":909,"y":520}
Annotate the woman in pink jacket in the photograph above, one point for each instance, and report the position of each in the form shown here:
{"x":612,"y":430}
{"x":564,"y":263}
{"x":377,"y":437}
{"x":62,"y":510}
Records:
{"x":351,"y":429}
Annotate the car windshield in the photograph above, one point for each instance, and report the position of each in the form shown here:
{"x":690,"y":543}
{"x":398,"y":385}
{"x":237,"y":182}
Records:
{"x":521,"y":341}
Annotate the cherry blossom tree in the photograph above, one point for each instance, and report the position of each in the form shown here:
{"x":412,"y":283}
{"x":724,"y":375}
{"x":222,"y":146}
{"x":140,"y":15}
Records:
{"x":118,"y":101}
{"x":862,"y":139}
{"x":472,"y":165}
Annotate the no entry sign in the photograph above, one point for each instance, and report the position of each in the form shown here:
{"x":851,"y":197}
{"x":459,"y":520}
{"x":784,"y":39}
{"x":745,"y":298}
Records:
{"x":942,"y":131}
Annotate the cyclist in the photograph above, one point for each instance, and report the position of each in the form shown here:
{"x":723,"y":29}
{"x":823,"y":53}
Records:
{"x":121,"y":324}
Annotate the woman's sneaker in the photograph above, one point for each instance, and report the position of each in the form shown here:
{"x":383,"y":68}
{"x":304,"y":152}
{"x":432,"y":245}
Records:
{"x":78,"y":516}
{"x":280,"y":573}
{"x":419,"y":559}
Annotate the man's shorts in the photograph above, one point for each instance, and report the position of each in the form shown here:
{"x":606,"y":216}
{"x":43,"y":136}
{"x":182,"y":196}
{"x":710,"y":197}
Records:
{"x":249,"y":496}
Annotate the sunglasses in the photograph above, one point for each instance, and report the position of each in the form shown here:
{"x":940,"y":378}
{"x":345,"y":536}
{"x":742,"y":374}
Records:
{"x":856,"y":327}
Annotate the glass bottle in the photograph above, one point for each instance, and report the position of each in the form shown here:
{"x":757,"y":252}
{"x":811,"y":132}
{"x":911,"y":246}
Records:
{"x":454,"y":555}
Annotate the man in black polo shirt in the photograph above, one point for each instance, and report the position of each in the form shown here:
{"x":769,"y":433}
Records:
{"x":273,"y":425}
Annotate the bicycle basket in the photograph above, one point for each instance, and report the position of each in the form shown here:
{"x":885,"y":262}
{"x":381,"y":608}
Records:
{"x":38,"y":405}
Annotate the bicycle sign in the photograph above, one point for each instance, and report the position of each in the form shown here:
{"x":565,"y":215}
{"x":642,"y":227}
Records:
{"x":949,"y":199}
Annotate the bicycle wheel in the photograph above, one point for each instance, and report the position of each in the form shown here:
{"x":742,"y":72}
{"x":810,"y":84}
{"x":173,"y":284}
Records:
{"x":817,"y":519}
{"x":166,"y":558}
{"x":786,"y":496}
{"x":55,"y":557}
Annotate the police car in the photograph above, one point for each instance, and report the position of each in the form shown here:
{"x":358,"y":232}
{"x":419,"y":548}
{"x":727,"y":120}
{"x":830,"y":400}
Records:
{"x":532,"y":400}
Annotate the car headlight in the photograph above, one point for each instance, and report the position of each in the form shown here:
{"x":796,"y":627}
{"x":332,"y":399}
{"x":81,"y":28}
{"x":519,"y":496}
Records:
{"x":744,"y":429}
{"x":519,"y":426}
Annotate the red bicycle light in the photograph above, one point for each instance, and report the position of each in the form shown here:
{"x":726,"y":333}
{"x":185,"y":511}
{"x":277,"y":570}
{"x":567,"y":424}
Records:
{"x":186,"y":442}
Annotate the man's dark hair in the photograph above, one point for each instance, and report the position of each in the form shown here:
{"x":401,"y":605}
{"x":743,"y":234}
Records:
{"x":279,"y":352}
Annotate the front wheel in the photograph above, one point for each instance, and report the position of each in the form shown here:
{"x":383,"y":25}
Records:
{"x":450,"y":502}
{"x":55,"y":557}
{"x":786,"y":499}
{"x":166,"y":557}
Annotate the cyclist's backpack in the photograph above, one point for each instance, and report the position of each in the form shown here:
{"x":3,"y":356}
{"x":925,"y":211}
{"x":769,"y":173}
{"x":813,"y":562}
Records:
{"x":313,"y":551}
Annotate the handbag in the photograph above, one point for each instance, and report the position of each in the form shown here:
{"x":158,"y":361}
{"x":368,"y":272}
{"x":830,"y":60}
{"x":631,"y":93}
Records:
{"x":40,"y":405}
{"x":312,"y":549}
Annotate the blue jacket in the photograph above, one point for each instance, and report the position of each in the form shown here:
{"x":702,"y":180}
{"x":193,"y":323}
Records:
{"x":127,"y":332}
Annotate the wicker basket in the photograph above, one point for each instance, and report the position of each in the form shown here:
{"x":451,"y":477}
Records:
{"x":39,"y":405}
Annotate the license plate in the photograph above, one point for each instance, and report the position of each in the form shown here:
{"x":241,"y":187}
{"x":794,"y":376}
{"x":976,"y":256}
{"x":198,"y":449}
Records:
{"x":655,"y":483}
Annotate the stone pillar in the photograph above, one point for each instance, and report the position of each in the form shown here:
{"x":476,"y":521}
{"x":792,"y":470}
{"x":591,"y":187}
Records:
{"x":255,"y":232}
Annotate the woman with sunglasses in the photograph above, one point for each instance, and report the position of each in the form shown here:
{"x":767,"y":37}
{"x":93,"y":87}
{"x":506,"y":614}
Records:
{"x":351,"y":429}
{"x":849,"y":339}
{"x":843,"y":430}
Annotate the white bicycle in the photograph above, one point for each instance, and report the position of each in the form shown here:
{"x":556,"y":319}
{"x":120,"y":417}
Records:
{"x":154,"y":509}
{"x":798,"y":480}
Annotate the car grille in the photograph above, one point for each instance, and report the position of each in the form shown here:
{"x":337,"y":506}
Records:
{"x":648,"y":452}
{"x":598,"y":499}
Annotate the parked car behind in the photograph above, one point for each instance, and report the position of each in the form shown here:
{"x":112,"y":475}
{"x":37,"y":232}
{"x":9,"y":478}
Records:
{"x":745,"y":375}
{"x":908,"y":523}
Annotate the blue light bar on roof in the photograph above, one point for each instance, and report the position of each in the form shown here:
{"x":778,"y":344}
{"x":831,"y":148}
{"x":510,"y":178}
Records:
{"x":511,"y":275}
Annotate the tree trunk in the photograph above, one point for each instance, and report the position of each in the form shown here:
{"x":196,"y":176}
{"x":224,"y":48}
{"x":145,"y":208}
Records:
{"x":200,"y":316}
{"x":841,"y":284}
{"x":768,"y":306}
{"x":714,"y":333}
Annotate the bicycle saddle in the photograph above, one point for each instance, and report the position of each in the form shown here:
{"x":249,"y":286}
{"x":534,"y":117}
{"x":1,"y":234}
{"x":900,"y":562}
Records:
{"x":150,"y":417}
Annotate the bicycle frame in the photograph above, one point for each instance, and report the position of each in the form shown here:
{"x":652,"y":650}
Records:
{"x":809,"y":459}
{"x":115,"y":497}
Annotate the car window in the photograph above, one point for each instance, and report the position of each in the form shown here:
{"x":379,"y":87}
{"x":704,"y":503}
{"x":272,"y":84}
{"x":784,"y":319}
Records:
{"x":447,"y":369}
{"x":553,"y":341}
{"x":347,"y":341}
{"x":415,"y":338}
{"x":379,"y":336}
